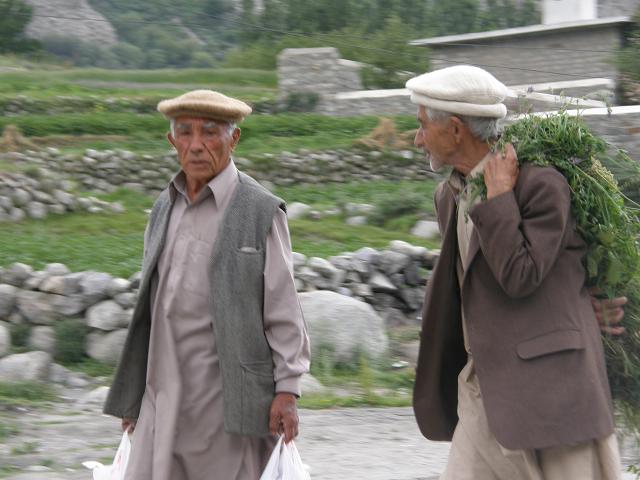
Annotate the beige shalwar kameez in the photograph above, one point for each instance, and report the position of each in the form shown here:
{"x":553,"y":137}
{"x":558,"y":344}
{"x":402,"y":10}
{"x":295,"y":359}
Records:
{"x":475,"y":453}
{"x":180,"y":431}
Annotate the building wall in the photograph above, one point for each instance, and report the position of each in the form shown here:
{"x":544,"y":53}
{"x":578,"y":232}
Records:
{"x":547,"y":57}
{"x":617,"y":8}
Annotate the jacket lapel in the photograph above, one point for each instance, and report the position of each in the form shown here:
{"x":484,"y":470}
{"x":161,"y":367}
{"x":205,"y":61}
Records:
{"x":156,"y":241}
{"x":474,"y":248}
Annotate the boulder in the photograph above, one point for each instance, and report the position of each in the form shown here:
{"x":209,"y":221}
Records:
{"x":297,"y":210}
{"x":426,"y":229}
{"x":25,"y":367}
{"x":393,"y":262}
{"x":309,"y":385}
{"x":107,"y":316}
{"x":95,"y":398}
{"x":95,"y":286}
{"x":8,"y":294}
{"x":343,"y":327}
{"x":57,"y":269}
{"x":61,"y":285}
{"x":17,"y":274}
{"x":5,"y":339}
{"x":106,"y":347}
{"x":43,"y":339}
{"x":37,"y":210}
{"x":380,"y":283}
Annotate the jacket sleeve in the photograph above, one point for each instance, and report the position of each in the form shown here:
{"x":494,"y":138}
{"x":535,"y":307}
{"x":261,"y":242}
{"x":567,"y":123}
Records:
{"x":522,"y":242}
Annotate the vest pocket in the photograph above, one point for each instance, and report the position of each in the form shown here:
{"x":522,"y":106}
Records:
{"x":258,"y":390}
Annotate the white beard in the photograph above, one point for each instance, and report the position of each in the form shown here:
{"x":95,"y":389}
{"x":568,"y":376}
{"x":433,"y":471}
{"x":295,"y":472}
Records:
{"x":435,"y":165}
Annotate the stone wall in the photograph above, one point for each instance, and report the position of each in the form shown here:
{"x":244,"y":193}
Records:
{"x":105,"y":171}
{"x":616,"y":8}
{"x":391,"y":281}
{"x":317,"y":71}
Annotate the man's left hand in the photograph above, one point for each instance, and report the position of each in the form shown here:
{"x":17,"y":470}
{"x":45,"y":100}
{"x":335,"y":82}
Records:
{"x":609,"y":313}
{"x":283,"y":418}
{"x":501,"y":172}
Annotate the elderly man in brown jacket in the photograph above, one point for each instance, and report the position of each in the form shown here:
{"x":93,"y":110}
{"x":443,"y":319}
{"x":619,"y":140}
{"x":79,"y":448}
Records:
{"x":511,"y":365}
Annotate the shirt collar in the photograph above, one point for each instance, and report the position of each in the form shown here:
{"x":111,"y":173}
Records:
{"x":220,"y":186}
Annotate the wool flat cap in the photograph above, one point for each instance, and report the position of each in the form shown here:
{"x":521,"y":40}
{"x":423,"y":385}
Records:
{"x":207,"y":104}
{"x":463,"y":89}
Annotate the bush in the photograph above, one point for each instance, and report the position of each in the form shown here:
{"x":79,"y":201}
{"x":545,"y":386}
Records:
{"x":70,"y":338}
{"x":19,"y":334}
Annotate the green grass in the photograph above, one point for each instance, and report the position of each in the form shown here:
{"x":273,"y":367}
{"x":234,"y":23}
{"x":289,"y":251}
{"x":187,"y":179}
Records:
{"x":92,"y":367}
{"x":113,"y":243}
{"x":25,"y":449}
{"x":8,"y":428}
{"x":319,"y":402}
{"x":260,"y":133}
{"x":25,"y":393}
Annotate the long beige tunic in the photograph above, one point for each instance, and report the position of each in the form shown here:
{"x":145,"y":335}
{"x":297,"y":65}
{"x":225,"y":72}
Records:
{"x":475,"y":453}
{"x":180,"y":431}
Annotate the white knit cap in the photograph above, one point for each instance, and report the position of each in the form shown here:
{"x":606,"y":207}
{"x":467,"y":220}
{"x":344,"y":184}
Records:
{"x":463,"y":89}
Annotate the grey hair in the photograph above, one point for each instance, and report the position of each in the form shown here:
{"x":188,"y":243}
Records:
{"x":483,"y":128}
{"x":231,"y":126}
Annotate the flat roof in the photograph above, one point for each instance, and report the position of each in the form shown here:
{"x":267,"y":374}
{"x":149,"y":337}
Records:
{"x":521,"y":31}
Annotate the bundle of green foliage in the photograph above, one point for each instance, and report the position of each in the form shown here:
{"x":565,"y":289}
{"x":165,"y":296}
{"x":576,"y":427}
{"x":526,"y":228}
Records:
{"x":607,"y":221}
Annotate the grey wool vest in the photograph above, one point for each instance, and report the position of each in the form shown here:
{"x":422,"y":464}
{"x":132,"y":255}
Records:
{"x":237,"y":286}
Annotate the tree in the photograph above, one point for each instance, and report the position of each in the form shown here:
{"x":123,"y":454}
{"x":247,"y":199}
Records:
{"x":15,"y":15}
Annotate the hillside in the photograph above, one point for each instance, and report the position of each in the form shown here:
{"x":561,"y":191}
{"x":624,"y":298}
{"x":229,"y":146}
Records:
{"x":93,"y":27}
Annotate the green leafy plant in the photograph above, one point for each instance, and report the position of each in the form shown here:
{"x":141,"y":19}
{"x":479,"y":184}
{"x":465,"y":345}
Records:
{"x":70,"y":340}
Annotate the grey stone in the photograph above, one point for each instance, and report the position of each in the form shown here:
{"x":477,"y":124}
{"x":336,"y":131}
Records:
{"x":117,"y":207}
{"x":380,"y":283}
{"x":34,"y":282}
{"x":322,"y":266}
{"x":70,"y":305}
{"x":358,"y":209}
{"x":42,"y":197}
{"x":343,"y":327}
{"x":37,"y":307}
{"x":106,"y":347}
{"x":77,"y":381}
{"x":59,"y":374}
{"x":393,"y":262}
{"x":126,"y":299}
{"x":356,"y":221}
{"x":118,"y":285}
{"x":5,"y":339}
{"x":95,"y":285}
{"x":394,"y":318}
{"x":416,"y":253}
{"x":426,"y":229}
{"x":65,"y":199}
{"x":57,"y":209}
{"x":57,"y":269}
{"x":135,"y":279}
{"x":342,"y":262}
{"x":17,"y":215}
{"x":43,"y":338}
{"x":297,"y":210}
{"x":107,"y":315}
{"x":25,"y":367}
{"x":37,"y":210}
{"x":17,"y":274}
{"x":307,"y":275}
{"x":20,"y":197}
{"x":299,"y":260}
{"x":362,"y":290}
{"x":8,"y":295}
{"x":6,"y":203}
{"x":367,"y":255}
{"x":61,"y":285}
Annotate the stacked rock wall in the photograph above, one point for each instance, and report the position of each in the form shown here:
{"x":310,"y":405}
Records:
{"x":391,"y":281}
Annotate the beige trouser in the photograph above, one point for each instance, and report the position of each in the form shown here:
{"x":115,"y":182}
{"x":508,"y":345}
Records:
{"x":476,"y":454}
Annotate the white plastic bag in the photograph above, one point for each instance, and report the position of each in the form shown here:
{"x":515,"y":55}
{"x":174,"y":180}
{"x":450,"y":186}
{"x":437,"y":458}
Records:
{"x":117,"y":470}
{"x":285,"y":463}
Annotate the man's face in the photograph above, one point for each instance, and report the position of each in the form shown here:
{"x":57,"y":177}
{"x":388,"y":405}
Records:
{"x":204,"y":146}
{"x":436,"y":139}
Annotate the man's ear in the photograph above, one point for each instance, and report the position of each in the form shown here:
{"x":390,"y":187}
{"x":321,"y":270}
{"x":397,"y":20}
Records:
{"x":172,"y":141}
{"x":235,"y":137}
{"x":457,"y":128}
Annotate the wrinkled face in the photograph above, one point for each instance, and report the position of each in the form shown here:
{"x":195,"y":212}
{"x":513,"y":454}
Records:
{"x":435,"y":137}
{"x":204,"y":146}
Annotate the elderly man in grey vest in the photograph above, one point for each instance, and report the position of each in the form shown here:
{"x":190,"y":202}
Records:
{"x":211,"y":367}
{"x":511,"y":365}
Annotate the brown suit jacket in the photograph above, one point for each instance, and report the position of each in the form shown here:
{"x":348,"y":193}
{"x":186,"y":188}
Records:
{"x":532,"y":331}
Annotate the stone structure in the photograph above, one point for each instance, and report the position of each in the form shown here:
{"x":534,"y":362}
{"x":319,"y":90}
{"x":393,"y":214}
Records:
{"x":535,"y":54}
{"x":389,"y":285}
{"x":76,"y":20}
{"x":26,"y":197}
{"x":316,"y":71}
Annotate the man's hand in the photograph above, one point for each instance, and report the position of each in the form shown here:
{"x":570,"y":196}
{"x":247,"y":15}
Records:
{"x":283,"y":417}
{"x":501,"y":172}
{"x":128,"y":424}
{"x":609,"y":313}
